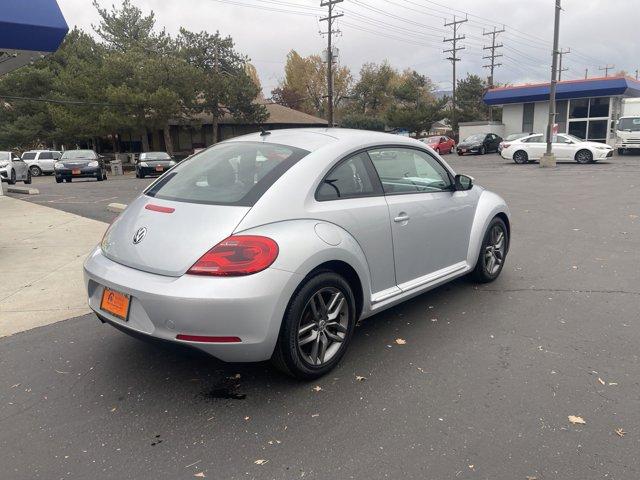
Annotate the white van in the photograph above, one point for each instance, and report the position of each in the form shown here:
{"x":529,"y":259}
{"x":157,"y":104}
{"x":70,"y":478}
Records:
{"x":41,"y":161}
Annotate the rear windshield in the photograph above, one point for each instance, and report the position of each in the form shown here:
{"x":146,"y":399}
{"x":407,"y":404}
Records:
{"x":79,"y":154}
{"x":234,"y":173}
{"x":154,"y":156}
{"x":29,"y":156}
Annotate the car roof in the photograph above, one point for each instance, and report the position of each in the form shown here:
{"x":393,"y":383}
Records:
{"x":312,"y":139}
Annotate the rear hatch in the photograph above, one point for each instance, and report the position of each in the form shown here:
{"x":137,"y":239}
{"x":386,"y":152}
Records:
{"x":172,"y":240}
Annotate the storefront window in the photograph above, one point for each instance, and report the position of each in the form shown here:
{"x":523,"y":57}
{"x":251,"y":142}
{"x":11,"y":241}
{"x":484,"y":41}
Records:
{"x":527,"y":117}
{"x":578,"y":129}
{"x":579,"y":108}
{"x":561,"y":117}
{"x":599,"y":107}
{"x":598,"y":130}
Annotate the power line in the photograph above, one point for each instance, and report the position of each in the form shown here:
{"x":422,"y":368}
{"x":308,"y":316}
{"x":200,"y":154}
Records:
{"x":606,"y":69}
{"x":561,"y":55}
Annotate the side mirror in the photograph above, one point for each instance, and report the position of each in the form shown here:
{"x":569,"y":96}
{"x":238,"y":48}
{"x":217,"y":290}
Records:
{"x":463,"y":183}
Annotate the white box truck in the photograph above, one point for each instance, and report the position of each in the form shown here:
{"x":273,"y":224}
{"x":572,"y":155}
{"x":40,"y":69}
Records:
{"x":628,"y":126}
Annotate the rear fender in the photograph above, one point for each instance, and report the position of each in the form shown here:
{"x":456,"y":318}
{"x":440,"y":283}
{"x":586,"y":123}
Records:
{"x":306,"y":244}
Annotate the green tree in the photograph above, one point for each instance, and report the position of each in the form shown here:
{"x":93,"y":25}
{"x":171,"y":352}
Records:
{"x":469,"y":100}
{"x":362,"y":122}
{"x":373,"y":93}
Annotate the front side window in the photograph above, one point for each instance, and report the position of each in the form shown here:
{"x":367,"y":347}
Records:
{"x":45,"y":156}
{"x":405,"y":170}
{"x":234,"y":173}
{"x":29,"y":156}
{"x":350,"y":179}
{"x":535,"y":139}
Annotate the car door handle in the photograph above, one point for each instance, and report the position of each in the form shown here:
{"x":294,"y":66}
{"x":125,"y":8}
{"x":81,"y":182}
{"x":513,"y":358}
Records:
{"x":403,"y":217}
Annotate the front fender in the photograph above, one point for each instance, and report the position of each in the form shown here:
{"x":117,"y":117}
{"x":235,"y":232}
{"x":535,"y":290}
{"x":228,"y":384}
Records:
{"x":305,"y":244}
{"x":489,"y":205}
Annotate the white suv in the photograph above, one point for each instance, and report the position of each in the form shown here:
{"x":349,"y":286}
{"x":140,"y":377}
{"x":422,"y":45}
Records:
{"x":41,"y":161}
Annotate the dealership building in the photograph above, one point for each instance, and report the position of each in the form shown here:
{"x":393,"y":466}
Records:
{"x":586,"y":108}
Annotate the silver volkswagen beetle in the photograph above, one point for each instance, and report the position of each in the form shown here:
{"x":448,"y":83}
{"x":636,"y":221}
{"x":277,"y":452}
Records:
{"x":273,"y":245}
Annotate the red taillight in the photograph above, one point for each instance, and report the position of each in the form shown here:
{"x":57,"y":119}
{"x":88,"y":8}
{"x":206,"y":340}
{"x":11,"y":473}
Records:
{"x":237,"y":255}
{"x":506,"y":145}
{"x":207,"y":339}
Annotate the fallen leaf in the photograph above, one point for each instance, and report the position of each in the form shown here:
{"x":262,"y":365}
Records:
{"x":613,"y":384}
{"x":528,"y":477}
{"x":260,"y":461}
{"x":620,"y":432}
{"x":247,"y":418}
{"x":601,"y":381}
{"x":400,"y":341}
{"x":113,"y":409}
{"x":434,"y":319}
{"x":360,"y":379}
{"x":200,"y":475}
{"x":317,"y":388}
{"x":576,"y":420}
{"x":315,"y":415}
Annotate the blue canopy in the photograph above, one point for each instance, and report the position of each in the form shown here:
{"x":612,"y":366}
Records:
{"x":593,"y":87}
{"x":28,"y":30}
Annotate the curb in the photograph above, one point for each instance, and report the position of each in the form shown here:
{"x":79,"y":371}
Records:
{"x":116,"y":207}
{"x":25,"y":190}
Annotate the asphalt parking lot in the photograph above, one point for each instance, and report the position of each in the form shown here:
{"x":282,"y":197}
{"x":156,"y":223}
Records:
{"x":482,"y":389}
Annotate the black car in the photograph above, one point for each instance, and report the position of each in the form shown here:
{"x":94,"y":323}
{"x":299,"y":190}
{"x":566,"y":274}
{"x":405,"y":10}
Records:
{"x":153,"y":163}
{"x":80,"y":164}
{"x":480,"y":143}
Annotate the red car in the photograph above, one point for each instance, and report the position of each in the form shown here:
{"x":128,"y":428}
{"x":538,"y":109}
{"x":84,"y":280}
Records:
{"x":440,"y":144}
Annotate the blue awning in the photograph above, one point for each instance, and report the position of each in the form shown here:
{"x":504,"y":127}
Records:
{"x":29,"y":29}
{"x":593,"y":87}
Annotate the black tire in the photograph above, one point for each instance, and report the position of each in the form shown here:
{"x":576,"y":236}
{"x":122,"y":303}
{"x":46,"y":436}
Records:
{"x":27,"y":181}
{"x":483,"y":150}
{"x":12,"y":178}
{"x":104,"y":177}
{"x":521,"y":157}
{"x":58,"y":180}
{"x":99,"y":176}
{"x":141,"y":175}
{"x":287,"y":355}
{"x":481,"y":273}
{"x":584,"y":156}
{"x":35,"y":170}
{"x":459,"y":153}
{"x":621,"y":151}
{"x":68,"y":180}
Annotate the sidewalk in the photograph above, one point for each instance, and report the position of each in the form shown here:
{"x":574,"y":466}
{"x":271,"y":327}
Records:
{"x":41,"y":255}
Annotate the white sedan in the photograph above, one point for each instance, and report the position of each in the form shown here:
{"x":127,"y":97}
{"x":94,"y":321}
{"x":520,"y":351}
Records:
{"x":566,"y":147}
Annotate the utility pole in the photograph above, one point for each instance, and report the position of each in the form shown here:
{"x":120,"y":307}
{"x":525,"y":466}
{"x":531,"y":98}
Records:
{"x":492,"y":57}
{"x":330,"y":31}
{"x":562,"y":53}
{"x":586,"y":73}
{"x":549,"y":159}
{"x":454,"y":58}
{"x":606,"y":69}
{"x":637,"y":73}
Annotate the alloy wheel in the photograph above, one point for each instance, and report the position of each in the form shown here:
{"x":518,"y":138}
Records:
{"x":35,"y":171}
{"x":495,"y":250}
{"x":323,"y":326}
{"x":584,"y":156}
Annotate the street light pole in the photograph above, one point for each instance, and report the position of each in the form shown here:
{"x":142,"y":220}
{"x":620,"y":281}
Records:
{"x":549,"y":159}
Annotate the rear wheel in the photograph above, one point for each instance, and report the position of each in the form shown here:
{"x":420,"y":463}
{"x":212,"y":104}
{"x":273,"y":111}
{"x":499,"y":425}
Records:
{"x":317,"y":327}
{"x":584,"y":156}
{"x":520,"y":157}
{"x":35,"y":170}
{"x":621,"y":151}
{"x":58,"y":180}
{"x":483,"y":150}
{"x":68,"y":180}
{"x":493,"y":252}
{"x":12,"y":177}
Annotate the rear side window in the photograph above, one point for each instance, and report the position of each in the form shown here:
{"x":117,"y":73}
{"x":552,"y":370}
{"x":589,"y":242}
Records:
{"x":349,"y":179}
{"x":234,"y":173}
{"x":45,"y":156}
{"x":28,"y":156}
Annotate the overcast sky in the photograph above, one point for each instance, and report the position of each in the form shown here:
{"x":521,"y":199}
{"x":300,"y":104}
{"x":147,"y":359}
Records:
{"x":408,"y":33}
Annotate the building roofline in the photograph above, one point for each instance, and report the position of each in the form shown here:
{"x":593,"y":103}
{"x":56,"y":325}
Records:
{"x":565,"y":82}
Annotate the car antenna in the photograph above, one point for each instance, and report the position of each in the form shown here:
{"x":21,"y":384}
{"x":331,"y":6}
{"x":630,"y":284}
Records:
{"x":263,"y":132}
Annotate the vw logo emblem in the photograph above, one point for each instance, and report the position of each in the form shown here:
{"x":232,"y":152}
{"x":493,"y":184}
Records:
{"x":139,"y":236}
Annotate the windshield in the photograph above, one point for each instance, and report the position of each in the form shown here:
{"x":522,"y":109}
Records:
{"x":5,"y":155}
{"x":478,"y":137}
{"x":79,"y":155}
{"x":234,"y":173}
{"x":154,"y":156}
{"x":629,"y":124}
{"x":432,"y":140}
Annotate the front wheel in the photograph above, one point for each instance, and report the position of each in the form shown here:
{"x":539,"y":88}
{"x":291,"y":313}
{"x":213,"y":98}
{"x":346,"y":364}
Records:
{"x":58,"y":180}
{"x":621,"y":151}
{"x":483,"y":150}
{"x":35,"y":171}
{"x":27,"y":181}
{"x":12,"y":178}
{"x":493,"y":252}
{"x":317,"y":327}
{"x":584,"y":156}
